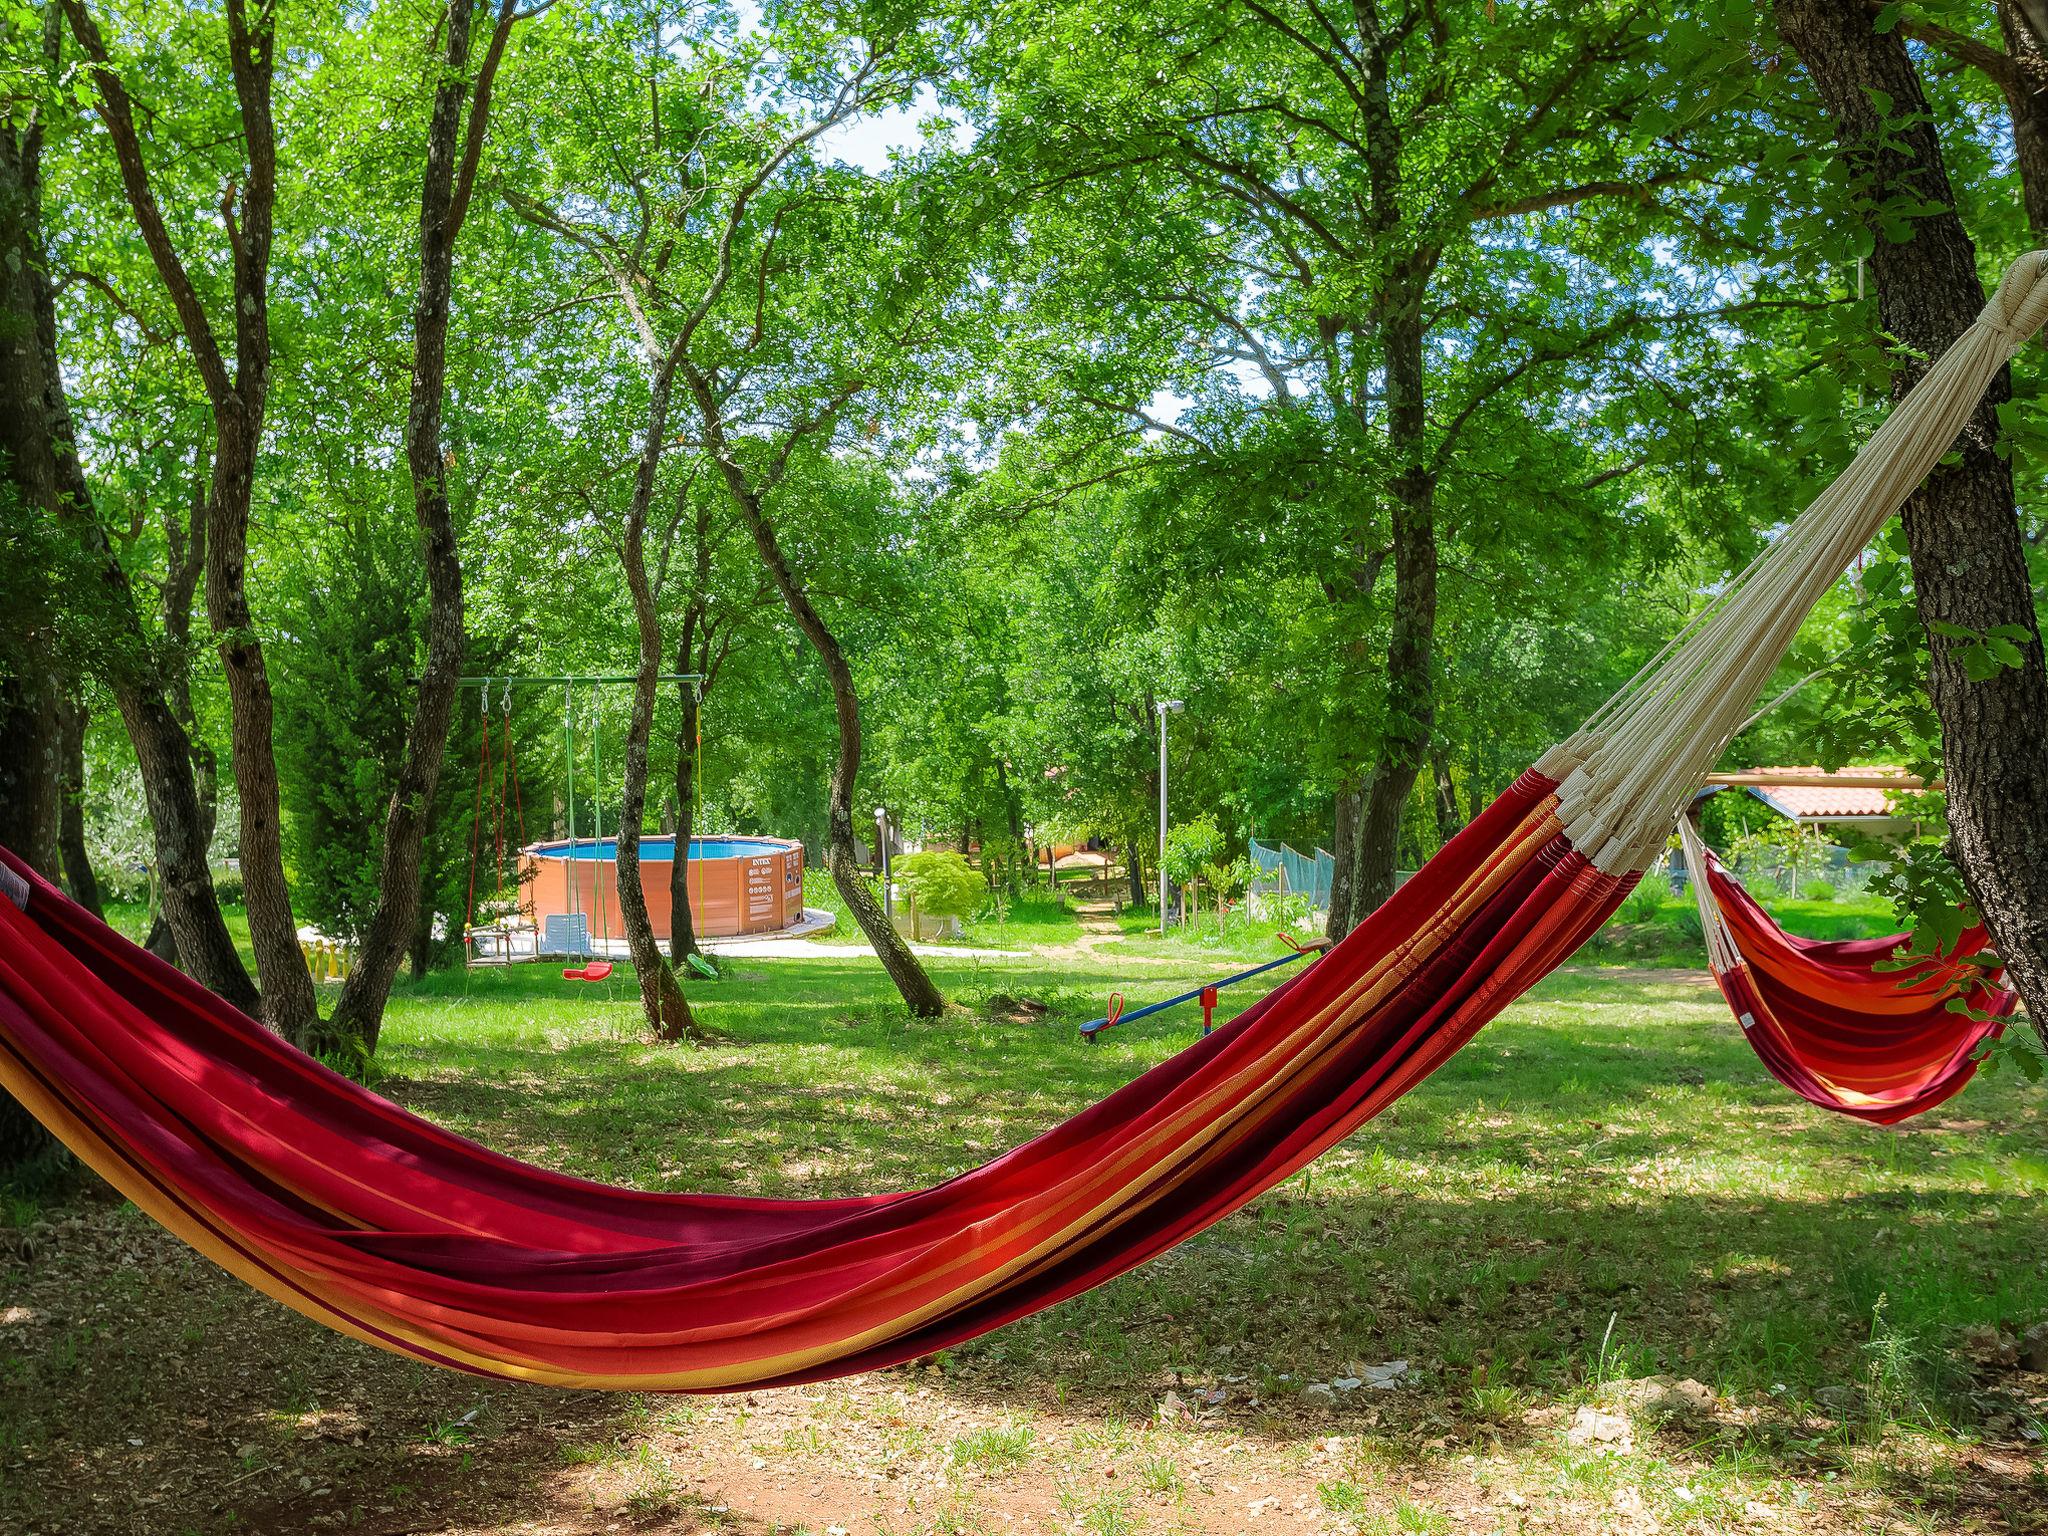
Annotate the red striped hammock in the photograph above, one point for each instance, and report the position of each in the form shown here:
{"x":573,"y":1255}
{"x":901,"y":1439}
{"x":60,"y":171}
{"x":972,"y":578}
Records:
{"x":377,"y":1223}
{"x":1828,"y":1023}
{"x":369,"y":1219}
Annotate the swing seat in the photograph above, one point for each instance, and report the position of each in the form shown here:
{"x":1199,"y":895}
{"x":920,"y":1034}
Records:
{"x":596,"y":970}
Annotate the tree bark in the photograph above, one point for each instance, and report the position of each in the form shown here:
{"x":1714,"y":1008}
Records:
{"x":31,"y":776}
{"x":2024,"y":25}
{"x":79,"y":878}
{"x":236,"y":398}
{"x":682,"y":934}
{"x":1962,"y":532}
{"x":453,"y":151}
{"x":919,"y":993}
{"x":1411,"y":645}
{"x":1350,"y":808}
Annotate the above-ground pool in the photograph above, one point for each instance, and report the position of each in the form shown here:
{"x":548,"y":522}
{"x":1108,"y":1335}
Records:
{"x":736,"y":884}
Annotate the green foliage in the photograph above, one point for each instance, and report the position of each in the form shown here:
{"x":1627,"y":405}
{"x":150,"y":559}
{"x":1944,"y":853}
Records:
{"x":939,"y":884}
{"x":1191,"y":845}
{"x":1052,"y":456}
{"x":344,"y":698}
{"x":1926,"y":889}
{"x":1779,"y":849}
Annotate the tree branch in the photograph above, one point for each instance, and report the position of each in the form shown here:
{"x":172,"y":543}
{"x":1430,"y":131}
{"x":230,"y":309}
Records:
{"x":117,"y":111}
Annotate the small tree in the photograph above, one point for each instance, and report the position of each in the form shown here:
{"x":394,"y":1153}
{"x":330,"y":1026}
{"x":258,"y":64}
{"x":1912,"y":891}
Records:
{"x":1227,"y":879}
{"x":1191,"y":846}
{"x":938,"y":884}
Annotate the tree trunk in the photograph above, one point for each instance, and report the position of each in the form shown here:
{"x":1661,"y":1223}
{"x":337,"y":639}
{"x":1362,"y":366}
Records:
{"x":1350,"y":808}
{"x":919,"y":993}
{"x":1411,"y":646}
{"x":444,"y":194}
{"x":1449,"y":821}
{"x":79,"y":878}
{"x":1134,"y":872}
{"x":1968,"y":558}
{"x":31,"y":759}
{"x":682,"y":933}
{"x":2024,"y":25}
{"x":289,"y":1004}
{"x":661,"y":996}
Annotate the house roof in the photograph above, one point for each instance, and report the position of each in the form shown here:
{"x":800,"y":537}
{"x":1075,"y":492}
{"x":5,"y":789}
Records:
{"x":1827,"y":798}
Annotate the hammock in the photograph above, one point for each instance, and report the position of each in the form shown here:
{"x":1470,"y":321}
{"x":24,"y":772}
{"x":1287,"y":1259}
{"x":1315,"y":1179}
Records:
{"x":1828,"y":1022}
{"x":379,"y":1224}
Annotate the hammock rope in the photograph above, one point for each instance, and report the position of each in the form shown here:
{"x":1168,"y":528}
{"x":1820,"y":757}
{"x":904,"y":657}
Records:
{"x":380,"y":1224}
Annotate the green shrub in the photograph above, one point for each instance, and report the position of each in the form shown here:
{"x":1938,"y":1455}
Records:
{"x":1817,"y":890}
{"x":939,"y":884}
{"x":227,"y":887}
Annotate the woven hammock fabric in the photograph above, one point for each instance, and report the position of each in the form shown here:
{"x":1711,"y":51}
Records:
{"x":373,"y":1221}
{"x":1879,"y":1044}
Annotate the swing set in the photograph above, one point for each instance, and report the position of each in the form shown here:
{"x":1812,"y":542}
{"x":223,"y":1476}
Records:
{"x":510,"y":929}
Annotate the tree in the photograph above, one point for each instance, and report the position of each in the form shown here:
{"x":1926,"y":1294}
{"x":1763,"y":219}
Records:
{"x":1969,"y":563}
{"x":236,"y":393}
{"x":455,"y":143}
{"x":237,"y":396}
{"x":1395,"y":278}
{"x":938,"y":884}
{"x":52,"y":492}
{"x":703,"y":245}
{"x":1191,"y":847}
{"x":2017,"y":64}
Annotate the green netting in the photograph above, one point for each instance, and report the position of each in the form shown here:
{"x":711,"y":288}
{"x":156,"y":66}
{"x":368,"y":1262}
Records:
{"x":1283,"y":869}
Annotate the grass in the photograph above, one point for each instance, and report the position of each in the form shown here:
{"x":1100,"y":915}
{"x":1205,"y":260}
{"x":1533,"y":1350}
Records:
{"x":1032,"y":919}
{"x":1603,"y":1187}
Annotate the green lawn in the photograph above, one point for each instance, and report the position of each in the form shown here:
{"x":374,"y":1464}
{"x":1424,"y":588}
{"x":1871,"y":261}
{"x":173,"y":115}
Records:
{"x":1604,"y":1187}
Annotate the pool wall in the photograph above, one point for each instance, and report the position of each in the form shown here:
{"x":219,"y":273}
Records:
{"x":755,"y":892}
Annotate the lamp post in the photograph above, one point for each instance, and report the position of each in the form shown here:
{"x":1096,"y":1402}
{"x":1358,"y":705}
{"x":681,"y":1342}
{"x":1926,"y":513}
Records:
{"x":882,"y":857}
{"x":1165,"y":707}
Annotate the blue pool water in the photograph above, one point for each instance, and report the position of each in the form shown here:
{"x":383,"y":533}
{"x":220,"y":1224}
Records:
{"x":657,"y":849}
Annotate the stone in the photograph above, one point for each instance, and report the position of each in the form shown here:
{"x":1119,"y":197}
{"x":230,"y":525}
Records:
{"x":1590,"y":1427}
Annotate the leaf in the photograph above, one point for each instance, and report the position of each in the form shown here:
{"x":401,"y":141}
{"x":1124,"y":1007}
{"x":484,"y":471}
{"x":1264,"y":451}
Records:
{"x":1979,"y":665}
